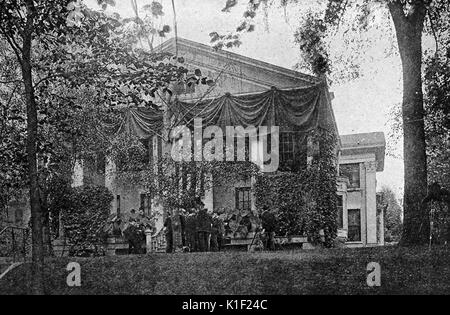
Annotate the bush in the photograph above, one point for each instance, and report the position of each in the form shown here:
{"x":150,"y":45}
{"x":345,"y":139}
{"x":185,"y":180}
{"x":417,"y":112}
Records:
{"x":84,"y":213}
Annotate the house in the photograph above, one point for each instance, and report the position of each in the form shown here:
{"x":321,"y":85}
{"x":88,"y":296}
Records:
{"x":242,"y":79}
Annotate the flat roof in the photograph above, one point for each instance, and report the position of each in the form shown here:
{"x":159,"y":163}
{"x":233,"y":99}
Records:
{"x":360,"y":143}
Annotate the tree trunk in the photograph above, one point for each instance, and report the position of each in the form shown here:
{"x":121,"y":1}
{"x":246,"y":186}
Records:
{"x":409,"y":27}
{"x":46,"y":230}
{"x":32,"y":124}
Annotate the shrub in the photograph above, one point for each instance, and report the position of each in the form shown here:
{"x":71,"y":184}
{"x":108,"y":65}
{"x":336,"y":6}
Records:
{"x":84,"y":213}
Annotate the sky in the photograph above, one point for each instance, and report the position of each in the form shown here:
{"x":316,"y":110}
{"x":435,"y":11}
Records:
{"x":361,"y":105}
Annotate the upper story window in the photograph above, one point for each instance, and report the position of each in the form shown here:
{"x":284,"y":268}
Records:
{"x":287,"y":147}
{"x":352,"y":172}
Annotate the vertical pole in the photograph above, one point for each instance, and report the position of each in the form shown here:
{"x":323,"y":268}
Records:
{"x":175,"y":27}
{"x":13,"y":244}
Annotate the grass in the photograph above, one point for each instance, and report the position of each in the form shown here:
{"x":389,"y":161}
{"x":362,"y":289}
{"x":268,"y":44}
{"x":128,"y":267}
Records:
{"x":336,"y":271}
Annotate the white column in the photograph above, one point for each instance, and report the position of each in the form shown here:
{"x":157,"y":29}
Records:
{"x":110,"y":180}
{"x":371,"y":202}
{"x":78,"y":174}
{"x":252,"y":194}
{"x":148,"y":240}
{"x":157,"y":208}
{"x":209,"y":193}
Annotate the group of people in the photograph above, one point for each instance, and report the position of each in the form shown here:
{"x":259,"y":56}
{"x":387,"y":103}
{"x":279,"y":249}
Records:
{"x":132,"y":227}
{"x":197,"y":230}
{"x":194,"y":230}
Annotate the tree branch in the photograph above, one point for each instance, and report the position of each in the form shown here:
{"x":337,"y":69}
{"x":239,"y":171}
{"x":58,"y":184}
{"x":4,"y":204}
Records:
{"x":12,"y":43}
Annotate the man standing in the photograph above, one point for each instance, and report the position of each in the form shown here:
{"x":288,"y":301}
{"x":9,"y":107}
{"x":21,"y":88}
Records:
{"x":269,"y":223}
{"x":216,"y":233}
{"x":168,"y":230}
{"x":204,"y":224}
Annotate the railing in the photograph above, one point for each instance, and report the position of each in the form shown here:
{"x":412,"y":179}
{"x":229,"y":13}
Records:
{"x":159,"y":241}
{"x":17,"y":237}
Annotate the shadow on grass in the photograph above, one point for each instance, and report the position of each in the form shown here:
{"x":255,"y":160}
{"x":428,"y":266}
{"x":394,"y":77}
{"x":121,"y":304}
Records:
{"x":335,"y":271}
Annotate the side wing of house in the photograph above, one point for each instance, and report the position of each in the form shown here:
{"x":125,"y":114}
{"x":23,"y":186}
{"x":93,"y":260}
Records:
{"x":362,"y":156}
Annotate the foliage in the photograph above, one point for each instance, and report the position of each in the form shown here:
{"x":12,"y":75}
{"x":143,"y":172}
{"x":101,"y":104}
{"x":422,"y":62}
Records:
{"x":305,"y":201}
{"x":436,"y":78}
{"x":437,"y":103}
{"x":310,"y":38}
{"x":84,"y":212}
{"x":409,"y":20}
{"x":388,"y":203}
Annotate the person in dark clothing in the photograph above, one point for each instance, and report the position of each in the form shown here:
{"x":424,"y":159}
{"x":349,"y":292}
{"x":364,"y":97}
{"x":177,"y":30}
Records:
{"x":183,"y":230}
{"x":269,"y":224}
{"x":168,"y":233}
{"x":216,"y":234}
{"x":191,"y":232}
{"x":204,"y":224}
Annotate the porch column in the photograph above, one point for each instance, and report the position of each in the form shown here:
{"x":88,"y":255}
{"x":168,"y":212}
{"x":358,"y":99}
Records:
{"x":209,"y":193}
{"x":157,"y":208}
{"x":78,"y":173}
{"x":371,"y":203}
{"x":110,"y":180}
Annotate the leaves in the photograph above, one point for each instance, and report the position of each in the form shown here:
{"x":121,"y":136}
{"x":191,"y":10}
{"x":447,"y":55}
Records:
{"x":228,"y":5}
{"x":305,"y":201}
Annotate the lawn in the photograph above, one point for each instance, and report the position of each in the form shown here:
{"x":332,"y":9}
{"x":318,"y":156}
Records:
{"x":336,"y":271}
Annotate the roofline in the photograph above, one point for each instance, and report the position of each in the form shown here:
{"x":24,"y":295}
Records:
{"x":376,"y":146}
{"x":170,"y":43}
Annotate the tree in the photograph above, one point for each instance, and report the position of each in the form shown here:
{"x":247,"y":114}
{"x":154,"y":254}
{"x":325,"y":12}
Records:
{"x":21,"y":23}
{"x":97,"y":54}
{"x":409,"y":25}
{"x":409,"y":22}
{"x":437,"y":103}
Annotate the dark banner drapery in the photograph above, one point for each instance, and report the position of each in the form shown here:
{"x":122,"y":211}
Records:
{"x":303,"y":109}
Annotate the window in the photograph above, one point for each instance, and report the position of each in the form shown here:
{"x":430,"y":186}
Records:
{"x":351,"y":171}
{"x":354,"y":225}
{"x":340,"y":212}
{"x":287,"y":148}
{"x":243,"y":200}
{"x":146,"y":204}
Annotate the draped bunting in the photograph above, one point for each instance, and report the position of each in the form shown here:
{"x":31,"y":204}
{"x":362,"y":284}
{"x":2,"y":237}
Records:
{"x":301,"y":109}
{"x":140,"y":122}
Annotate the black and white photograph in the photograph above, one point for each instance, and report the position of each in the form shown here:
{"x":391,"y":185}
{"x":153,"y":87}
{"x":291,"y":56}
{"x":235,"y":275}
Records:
{"x":224,"y":154}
